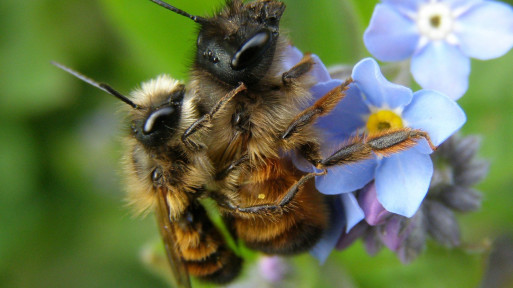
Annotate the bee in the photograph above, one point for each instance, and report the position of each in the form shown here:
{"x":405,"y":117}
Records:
{"x":168,"y":175}
{"x":231,"y":134}
{"x":273,"y":206}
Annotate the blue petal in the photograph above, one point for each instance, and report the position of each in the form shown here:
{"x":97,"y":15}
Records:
{"x":301,"y":163}
{"x":320,"y":89}
{"x":319,"y":71}
{"x":442,"y":67}
{"x":352,"y":211}
{"x":423,"y":147}
{"x":391,"y":36}
{"x":377,"y":90}
{"x":459,"y":7}
{"x":486,"y":30}
{"x":330,"y":237}
{"x":406,"y":6}
{"x":346,"y":178}
{"x":346,"y":118}
{"x":292,"y":56}
{"x":402,"y":181}
{"x":434,"y":113}
{"x":322,"y":78}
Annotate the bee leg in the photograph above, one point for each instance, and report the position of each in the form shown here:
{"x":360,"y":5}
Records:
{"x":321,"y":107}
{"x":295,"y":188}
{"x":205,"y":120}
{"x":383,"y":144}
{"x":298,"y":70}
{"x":278,"y":208}
{"x":234,"y":165}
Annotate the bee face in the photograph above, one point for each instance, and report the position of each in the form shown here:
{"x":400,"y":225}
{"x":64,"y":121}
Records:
{"x":239,"y":44}
{"x":158,"y":119}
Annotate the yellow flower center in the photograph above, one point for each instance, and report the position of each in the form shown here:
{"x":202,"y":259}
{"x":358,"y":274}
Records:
{"x":435,"y":21}
{"x":383,"y":120}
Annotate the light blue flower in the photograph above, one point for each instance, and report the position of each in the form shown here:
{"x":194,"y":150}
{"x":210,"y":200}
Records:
{"x":439,"y":36}
{"x":372,"y":92}
{"x":402,"y":180}
{"x":346,"y":213}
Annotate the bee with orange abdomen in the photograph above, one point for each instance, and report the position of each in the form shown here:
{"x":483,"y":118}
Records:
{"x":275,"y":207}
{"x":229,"y":135}
{"x":168,"y":175}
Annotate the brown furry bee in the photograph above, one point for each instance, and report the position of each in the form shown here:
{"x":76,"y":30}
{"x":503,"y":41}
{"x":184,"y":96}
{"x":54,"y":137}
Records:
{"x":165,"y":174}
{"x":275,"y":208}
{"x":229,"y":135}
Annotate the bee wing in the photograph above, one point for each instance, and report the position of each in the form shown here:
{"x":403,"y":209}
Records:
{"x":167,"y":230}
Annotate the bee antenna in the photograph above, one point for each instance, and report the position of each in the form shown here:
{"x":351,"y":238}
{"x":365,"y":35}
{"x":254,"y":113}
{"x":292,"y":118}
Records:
{"x":102,"y":86}
{"x":196,"y":19}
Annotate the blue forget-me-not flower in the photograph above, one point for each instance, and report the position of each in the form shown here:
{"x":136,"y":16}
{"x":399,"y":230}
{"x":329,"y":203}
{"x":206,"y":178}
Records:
{"x":440,"y":37}
{"x":373,"y":104}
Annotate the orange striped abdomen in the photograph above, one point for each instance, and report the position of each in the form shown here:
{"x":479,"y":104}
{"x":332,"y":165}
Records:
{"x":303,"y":219}
{"x":203,"y":249}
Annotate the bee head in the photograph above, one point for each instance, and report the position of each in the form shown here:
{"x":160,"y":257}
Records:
{"x":156,"y":108}
{"x":159,"y":115}
{"x":237,"y":44}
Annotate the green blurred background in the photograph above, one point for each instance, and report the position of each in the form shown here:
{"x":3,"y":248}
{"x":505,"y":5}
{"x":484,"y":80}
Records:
{"x":63,"y":219}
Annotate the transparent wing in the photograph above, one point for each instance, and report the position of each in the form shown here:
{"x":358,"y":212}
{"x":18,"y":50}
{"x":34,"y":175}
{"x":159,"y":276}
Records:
{"x":167,"y":230}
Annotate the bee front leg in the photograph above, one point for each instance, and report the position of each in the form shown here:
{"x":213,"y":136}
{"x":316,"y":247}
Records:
{"x":279,"y":207}
{"x":321,"y":107}
{"x":383,"y":144}
{"x":300,"y":69}
{"x":205,"y":120}
{"x":221,"y":175}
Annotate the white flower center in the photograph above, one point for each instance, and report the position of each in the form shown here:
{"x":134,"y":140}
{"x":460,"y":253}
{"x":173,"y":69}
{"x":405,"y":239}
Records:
{"x":435,"y":20}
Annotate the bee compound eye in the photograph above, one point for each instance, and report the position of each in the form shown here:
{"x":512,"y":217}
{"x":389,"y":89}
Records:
{"x":251,"y":50}
{"x":156,"y":175}
{"x":156,"y":118}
